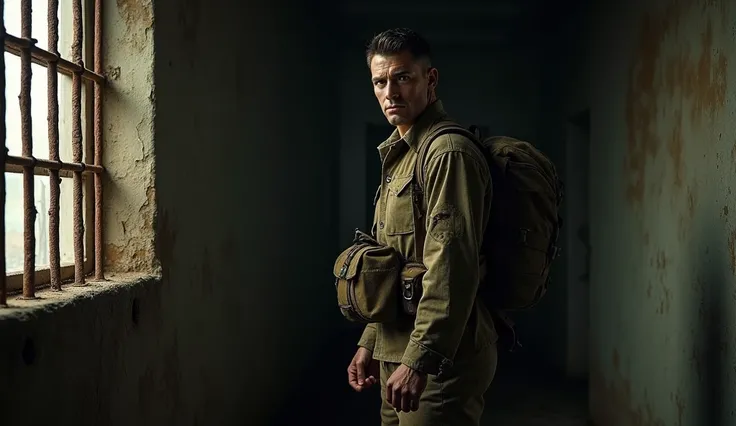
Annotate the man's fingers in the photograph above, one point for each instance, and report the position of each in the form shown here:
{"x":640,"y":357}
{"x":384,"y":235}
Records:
{"x":406,"y":400}
{"x":360,"y":373}
{"x":353,"y":378}
{"x":414,"y":406}
{"x":398,"y":400}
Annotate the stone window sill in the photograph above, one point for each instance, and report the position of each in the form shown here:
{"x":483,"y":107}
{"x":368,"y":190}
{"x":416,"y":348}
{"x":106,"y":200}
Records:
{"x":49,"y":301}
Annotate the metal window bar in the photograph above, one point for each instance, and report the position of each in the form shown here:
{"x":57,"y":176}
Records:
{"x":3,"y":154}
{"x":53,"y":167}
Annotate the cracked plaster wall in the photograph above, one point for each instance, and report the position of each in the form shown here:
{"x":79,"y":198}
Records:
{"x":129,"y":190}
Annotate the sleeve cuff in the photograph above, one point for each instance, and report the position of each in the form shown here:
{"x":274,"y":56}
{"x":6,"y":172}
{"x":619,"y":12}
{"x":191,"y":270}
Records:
{"x":420,"y":358}
{"x":368,"y":339}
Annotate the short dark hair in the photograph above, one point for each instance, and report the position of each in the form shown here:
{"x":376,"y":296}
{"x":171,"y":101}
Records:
{"x":398,"y":40}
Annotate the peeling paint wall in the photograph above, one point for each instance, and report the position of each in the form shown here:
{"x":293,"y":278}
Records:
{"x":664,"y":155}
{"x":128,"y":118}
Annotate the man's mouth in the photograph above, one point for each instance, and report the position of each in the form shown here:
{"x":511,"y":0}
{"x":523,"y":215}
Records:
{"x":394,"y":108}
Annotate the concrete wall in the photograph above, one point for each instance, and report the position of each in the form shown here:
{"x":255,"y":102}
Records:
{"x":243,"y":143}
{"x":663,"y":235}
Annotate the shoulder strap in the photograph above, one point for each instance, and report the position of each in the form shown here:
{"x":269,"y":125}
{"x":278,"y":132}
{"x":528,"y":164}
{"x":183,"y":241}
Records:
{"x":444,"y":127}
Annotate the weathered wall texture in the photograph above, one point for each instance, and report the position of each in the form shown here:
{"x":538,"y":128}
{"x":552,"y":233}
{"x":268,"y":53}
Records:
{"x":129,"y":192}
{"x":664,"y":149}
{"x":244,"y":212}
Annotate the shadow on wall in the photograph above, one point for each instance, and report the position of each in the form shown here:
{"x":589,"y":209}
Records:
{"x":710,"y":332}
{"x":702,"y":370}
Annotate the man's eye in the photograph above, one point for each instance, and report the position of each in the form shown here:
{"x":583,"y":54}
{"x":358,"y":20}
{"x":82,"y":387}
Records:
{"x":379,"y":83}
{"x":404,"y":78}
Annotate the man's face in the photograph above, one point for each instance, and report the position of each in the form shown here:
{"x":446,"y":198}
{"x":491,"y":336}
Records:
{"x":403,"y":86}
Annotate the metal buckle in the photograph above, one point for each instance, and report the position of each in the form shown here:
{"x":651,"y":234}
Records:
{"x":408,"y":292}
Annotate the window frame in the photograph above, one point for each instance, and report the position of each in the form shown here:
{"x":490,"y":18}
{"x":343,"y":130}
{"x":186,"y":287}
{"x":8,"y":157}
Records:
{"x":42,"y":275}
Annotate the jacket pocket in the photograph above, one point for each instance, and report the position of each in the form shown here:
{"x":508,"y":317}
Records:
{"x":400,"y":206}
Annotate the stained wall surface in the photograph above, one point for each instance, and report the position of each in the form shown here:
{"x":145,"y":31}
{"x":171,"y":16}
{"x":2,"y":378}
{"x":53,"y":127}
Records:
{"x":663,"y":106}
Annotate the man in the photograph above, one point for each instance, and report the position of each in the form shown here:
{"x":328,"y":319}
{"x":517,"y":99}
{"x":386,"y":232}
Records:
{"x":435,"y":368}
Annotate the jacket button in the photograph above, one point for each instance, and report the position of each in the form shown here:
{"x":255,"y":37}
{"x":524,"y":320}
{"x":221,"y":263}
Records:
{"x":388,"y":179}
{"x":380,"y":224}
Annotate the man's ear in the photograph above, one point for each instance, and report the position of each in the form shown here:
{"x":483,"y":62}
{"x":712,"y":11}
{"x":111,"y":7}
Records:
{"x":433,"y":78}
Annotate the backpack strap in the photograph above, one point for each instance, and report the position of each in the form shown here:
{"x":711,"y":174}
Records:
{"x":444,"y":127}
{"x":440,"y":128}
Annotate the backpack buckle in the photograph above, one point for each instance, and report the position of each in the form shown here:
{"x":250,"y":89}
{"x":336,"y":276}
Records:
{"x":408,"y":291}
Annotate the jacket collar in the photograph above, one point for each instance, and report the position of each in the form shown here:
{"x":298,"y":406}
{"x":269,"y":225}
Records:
{"x":433,"y":113}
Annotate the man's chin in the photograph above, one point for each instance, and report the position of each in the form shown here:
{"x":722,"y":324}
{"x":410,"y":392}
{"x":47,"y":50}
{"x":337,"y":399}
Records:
{"x":396,"y":120}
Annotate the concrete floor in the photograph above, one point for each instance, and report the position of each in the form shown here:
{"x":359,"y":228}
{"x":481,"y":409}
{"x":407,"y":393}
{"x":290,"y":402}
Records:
{"x":514,"y":399}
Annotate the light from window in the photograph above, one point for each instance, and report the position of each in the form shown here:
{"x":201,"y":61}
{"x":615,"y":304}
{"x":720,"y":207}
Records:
{"x":51,"y":165}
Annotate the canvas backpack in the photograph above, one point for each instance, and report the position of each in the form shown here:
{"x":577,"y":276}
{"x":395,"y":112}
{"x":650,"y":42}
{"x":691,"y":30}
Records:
{"x":521,"y":238}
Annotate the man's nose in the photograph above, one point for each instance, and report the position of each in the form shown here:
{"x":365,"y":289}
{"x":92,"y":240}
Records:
{"x":392,"y":90}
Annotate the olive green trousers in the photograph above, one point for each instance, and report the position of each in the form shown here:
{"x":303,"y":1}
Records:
{"x":455,"y":399}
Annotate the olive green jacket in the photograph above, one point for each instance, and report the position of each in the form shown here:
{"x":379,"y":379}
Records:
{"x":450,"y":324}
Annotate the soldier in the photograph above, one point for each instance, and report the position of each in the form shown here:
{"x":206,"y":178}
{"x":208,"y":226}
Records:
{"x":433,"y":368}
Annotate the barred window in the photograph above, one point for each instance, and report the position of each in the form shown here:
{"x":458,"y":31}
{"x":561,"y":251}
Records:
{"x":52,"y":200}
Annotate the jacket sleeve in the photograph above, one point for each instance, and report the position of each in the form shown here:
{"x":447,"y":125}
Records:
{"x":457,"y":187}
{"x":368,"y":339}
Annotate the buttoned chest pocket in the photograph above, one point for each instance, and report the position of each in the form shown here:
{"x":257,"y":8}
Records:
{"x":400,"y":206}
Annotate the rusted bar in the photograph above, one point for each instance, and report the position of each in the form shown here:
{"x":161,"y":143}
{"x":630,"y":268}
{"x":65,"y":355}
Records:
{"x":38,"y":171}
{"x":3,"y":153}
{"x":53,"y":124}
{"x":99,"y":260}
{"x":29,"y":208}
{"x":38,"y":163}
{"x":77,"y":148}
{"x":42,"y":57}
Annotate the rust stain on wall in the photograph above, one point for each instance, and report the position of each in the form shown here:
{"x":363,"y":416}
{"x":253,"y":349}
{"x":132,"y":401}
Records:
{"x":675,"y":149}
{"x":663,"y":74}
{"x":612,"y":400}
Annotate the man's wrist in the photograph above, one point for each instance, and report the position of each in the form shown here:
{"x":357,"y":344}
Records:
{"x":415,"y":371}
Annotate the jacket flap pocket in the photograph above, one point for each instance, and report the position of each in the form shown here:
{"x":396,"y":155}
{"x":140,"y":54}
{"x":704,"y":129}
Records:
{"x":399,"y":184}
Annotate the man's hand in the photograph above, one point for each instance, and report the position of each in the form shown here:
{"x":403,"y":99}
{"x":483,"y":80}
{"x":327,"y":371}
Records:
{"x":363,"y":370}
{"x":404,"y":388}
